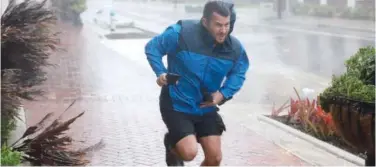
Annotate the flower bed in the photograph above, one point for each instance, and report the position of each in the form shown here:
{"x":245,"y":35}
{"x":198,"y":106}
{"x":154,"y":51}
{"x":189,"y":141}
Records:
{"x":307,"y":116}
{"x":344,"y":115}
{"x":351,"y":101}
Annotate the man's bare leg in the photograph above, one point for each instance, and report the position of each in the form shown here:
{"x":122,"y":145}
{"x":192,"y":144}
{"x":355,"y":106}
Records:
{"x":186,"y":148}
{"x":212,"y":150}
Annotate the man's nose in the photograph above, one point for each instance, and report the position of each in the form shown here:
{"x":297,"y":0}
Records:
{"x":223,"y":29}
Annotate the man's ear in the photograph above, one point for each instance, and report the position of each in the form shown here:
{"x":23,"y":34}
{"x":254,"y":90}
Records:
{"x":204,"y":22}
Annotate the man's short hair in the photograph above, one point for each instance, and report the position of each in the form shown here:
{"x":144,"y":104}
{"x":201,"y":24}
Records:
{"x":220,"y":7}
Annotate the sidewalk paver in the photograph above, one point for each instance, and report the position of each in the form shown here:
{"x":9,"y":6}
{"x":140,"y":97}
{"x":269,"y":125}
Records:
{"x":121,"y":104}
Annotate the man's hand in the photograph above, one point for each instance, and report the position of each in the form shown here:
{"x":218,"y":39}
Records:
{"x":162,"y":80}
{"x":217,"y":98}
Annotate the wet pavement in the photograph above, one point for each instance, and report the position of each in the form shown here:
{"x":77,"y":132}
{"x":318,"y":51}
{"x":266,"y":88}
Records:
{"x":119,"y":98}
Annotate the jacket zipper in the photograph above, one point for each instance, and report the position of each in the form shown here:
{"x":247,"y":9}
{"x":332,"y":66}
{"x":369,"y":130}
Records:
{"x":205,"y":71}
{"x":203,"y":78}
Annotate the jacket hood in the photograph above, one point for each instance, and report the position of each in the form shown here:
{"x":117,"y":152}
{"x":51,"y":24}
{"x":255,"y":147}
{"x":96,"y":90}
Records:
{"x":233,"y":15}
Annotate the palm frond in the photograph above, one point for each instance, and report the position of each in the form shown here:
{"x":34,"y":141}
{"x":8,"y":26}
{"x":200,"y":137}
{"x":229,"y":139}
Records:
{"x":51,"y":146}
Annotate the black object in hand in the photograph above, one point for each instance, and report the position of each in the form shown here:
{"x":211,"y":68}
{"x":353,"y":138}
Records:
{"x":172,"y":78}
{"x":208,"y":97}
{"x":224,"y":101}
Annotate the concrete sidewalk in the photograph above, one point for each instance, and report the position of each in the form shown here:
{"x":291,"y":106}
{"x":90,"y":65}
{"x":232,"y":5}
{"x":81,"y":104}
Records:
{"x":121,"y":103}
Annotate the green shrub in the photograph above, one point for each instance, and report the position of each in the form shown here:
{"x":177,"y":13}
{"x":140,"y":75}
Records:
{"x":314,"y":10}
{"x":193,"y":9}
{"x":301,"y":9}
{"x":362,"y":65}
{"x":352,"y":87}
{"x":364,"y":13}
{"x":78,"y":6}
{"x":323,"y":11}
{"x":7,"y":125}
{"x":358,"y":13}
{"x":358,"y":83}
{"x":346,"y":13}
{"x":10,"y":157}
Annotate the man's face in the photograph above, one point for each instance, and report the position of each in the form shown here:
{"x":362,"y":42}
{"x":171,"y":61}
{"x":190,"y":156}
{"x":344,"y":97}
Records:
{"x":218,"y":26}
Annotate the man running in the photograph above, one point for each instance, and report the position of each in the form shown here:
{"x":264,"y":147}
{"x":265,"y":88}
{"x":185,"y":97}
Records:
{"x":203,"y":53}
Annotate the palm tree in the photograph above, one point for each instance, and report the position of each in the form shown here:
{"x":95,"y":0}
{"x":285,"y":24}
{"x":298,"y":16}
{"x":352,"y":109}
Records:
{"x":28,"y":38}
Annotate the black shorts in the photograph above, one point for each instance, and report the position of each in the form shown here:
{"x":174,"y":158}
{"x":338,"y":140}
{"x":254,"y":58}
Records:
{"x":181,"y":124}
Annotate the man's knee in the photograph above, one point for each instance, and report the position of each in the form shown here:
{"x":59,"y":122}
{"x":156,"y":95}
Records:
{"x":213,"y":160}
{"x":187,"y":148}
{"x":212,"y":150}
{"x":188,"y":153}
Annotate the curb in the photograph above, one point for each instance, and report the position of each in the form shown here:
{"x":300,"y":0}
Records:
{"x":325,"y":146}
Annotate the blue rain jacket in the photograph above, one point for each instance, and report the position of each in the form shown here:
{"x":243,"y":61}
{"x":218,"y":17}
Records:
{"x":204,"y":67}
